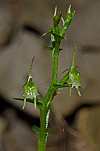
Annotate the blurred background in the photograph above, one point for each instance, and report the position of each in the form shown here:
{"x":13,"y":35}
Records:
{"x":22,"y":22}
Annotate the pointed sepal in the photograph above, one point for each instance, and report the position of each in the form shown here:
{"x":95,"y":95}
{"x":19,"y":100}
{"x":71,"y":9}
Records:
{"x":72,"y":78}
{"x":30,"y":90}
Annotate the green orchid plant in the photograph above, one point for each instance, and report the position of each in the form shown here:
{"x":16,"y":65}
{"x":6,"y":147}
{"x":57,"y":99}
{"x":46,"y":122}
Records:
{"x":70,"y":79}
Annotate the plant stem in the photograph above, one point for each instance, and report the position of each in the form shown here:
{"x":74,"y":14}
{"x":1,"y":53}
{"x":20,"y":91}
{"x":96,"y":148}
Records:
{"x":55,"y":58}
{"x":43,"y":131}
{"x":47,"y":100}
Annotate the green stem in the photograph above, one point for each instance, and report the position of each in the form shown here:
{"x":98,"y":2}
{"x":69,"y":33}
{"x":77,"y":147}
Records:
{"x":55,"y":58}
{"x":43,"y":131}
{"x":47,"y":100}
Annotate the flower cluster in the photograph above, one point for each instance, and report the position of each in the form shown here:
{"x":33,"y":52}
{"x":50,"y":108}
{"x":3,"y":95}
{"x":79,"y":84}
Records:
{"x":57,"y":32}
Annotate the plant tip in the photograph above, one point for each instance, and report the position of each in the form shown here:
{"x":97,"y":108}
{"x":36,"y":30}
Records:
{"x":55,"y":12}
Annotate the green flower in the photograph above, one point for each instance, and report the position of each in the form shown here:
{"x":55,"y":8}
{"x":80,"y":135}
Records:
{"x":56,"y":18}
{"x":57,"y":31}
{"x":74,"y":79}
{"x":30,"y":91}
{"x":67,"y":20}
